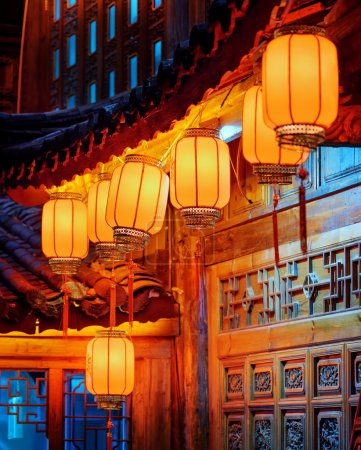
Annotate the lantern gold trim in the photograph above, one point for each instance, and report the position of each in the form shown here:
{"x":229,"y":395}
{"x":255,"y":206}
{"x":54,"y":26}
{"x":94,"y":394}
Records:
{"x":130,"y":238}
{"x":110,"y":251}
{"x":146,"y":159}
{"x":302,"y":134}
{"x":65,"y":266}
{"x":202,"y":132}
{"x":110,"y":402}
{"x":274,"y":174}
{"x":200,"y":218}
{"x":300,"y":29}
{"x":65,"y":195}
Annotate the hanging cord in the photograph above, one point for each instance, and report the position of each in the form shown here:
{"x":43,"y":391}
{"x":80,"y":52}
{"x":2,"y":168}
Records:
{"x":275,"y":224}
{"x":197,"y":256}
{"x":131,"y":267}
{"x":66,"y":291}
{"x":110,"y":426}
{"x":302,"y":175}
{"x":113,"y":300}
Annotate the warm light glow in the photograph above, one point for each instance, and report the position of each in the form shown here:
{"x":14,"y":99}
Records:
{"x":300,"y":83}
{"x":63,"y":232}
{"x":200,"y":173}
{"x":137,"y":199}
{"x":98,"y":228}
{"x":100,"y":232}
{"x":260,"y":146}
{"x":110,"y":367}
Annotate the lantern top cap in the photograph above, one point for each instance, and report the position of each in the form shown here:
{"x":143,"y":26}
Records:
{"x":65,"y":195}
{"x":111,"y":333}
{"x":205,"y":132}
{"x":104,"y":176}
{"x":300,"y":29}
{"x":144,"y":159}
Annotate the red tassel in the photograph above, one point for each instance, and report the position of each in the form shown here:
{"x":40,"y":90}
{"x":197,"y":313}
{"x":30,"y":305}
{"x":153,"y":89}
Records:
{"x":197,"y":255}
{"x":130,"y":289}
{"x":112,"y":302}
{"x":302,"y":173}
{"x":65,"y":310}
{"x":275,"y":226}
{"x":110,"y":426}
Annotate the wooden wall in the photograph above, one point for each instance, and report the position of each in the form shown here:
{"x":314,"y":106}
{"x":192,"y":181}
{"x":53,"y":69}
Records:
{"x":270,"y":325}
{"x":152,"y":397}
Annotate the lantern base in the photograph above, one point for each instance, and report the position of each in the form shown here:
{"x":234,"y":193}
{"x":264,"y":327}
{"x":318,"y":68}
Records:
{"x":65,"y":266}
{"x":200,"y":218}
{"x":301,"y":135}
{"x":131,"y":239}
{"x":110,"y":251}
{"x":274,"y":174}
{"x":110,"y":402}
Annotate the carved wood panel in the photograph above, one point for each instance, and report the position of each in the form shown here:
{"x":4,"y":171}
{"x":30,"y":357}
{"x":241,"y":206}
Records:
{"x":303,"y":399}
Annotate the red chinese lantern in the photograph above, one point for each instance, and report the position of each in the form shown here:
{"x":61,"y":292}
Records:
{"x":98,"y":229}
{"x":64,"y":232}
{"x":137,"y":201}
{"x":200,"y":177}
{"x":110,"y":368}
{"x":300,"y":84}
{"x":272,"y":162}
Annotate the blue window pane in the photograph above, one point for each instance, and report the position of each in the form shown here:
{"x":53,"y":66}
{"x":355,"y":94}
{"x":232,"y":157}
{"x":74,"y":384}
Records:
{"x":71,"y":3}
{"x":56,"y":64}
{"x":92,"y":36}
{"x":157,"y":3}
{"x":111,"y":22}
{"x":71,"y":50}
{"x":57,"y":10}
{"x":92,"y":92}
{"x":71,"y":101}
{"x":133,"y":72}
{"x":133,"y":11}
{"x":157,"y":55}
{"x":111,"y":83}
{"x":57,"y":108}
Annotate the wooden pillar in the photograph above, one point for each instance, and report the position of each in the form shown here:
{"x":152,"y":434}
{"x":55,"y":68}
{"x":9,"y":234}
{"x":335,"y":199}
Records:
{"x":191,"y":346}
{"x":55,"y":422}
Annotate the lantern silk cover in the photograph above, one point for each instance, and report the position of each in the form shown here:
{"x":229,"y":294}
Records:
{"x":259,"y":142}
{"x":110,"y":366}
{"x":138,"y":196}
{"x":200,"y":173}
{"x":64,"y":228}
{"x":98,"y":229}
{"x":300,"y":81}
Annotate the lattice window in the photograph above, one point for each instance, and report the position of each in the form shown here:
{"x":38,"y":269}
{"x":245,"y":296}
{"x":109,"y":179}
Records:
{"x":318,"y":283}
{"x":23,"y":409}
{"x":84,"y":423}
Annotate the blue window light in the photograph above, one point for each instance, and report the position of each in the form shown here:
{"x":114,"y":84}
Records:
{"x":133,"y":71}
{"x":133,"y":11}
{"x":71,"y":50}
{"x":71,"y":3}
{"x":92,"y":92}
{"x":157,"y":55}
{"x":157,"y":3}
{"x":56,"y":10}
{"x":71,"y":101}
{"x":111,"y":83}
{"x":111,"y":21}
{"x":92,"y":36}
{"x":56,"y":68}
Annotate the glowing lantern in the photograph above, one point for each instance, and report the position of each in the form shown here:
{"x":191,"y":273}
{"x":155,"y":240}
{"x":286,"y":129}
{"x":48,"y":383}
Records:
{"x":99,"y":231}
{"x":300,"y":84}
{"x":64,"y":232}
{"x":110,"y":368}
{"x":137,"y":201}
{"x":273,"y":163}
{"x":200,"y":177}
